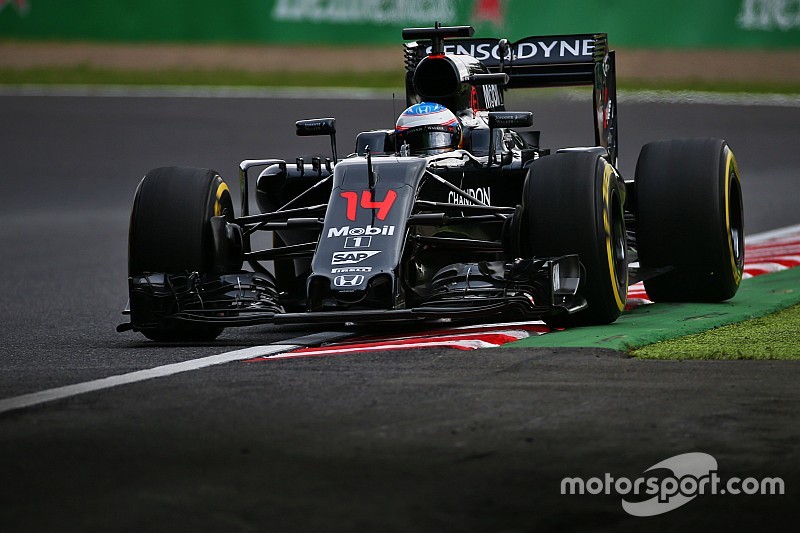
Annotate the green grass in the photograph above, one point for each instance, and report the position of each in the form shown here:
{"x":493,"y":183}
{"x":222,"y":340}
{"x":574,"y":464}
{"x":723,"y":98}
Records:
{"x":389,"y":79}
{"x":775,"y":336}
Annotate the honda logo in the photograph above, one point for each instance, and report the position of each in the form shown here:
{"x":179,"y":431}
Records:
{"x":348,"y":281}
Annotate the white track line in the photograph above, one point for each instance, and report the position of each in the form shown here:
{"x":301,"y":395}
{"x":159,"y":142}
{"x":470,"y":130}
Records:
{"x":709,"y":98}
{"x":35,"y":398}
{"x":773,"y":234}
{"x":360,"y":93}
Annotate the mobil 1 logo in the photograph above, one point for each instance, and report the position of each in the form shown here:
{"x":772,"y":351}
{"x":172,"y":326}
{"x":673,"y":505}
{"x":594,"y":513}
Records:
{"x":355,"y":231}
{"x":358,"y":242}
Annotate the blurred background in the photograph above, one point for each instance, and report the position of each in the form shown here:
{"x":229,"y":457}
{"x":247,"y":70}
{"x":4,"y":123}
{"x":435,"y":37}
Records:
{"x":749,"y":45}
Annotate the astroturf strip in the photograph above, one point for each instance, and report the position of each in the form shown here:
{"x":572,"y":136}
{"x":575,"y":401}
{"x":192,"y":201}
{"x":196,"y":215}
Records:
{"x":647,"y":324}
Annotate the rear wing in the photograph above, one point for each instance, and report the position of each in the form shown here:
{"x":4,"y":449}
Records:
{"x":548,"y":61}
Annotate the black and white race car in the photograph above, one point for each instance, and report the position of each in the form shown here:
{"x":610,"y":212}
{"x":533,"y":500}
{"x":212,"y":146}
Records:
{"x":455,"y":212}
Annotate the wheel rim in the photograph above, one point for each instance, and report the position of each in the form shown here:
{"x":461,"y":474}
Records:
{"x":619,"y":249}
{"x":735,"y":222}
{"x":614,"y":225}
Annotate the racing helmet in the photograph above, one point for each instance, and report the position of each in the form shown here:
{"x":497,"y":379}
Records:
{"x":428,"y":129}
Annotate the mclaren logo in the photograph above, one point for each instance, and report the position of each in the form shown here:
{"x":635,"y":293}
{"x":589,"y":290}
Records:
{"x":348,"y":281}
{"x":352,"y":258}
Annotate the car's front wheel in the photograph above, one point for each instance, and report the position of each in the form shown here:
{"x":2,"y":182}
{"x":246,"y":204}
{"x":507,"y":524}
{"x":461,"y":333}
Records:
{"x":170,"y":232}
{"x":573,"y":205}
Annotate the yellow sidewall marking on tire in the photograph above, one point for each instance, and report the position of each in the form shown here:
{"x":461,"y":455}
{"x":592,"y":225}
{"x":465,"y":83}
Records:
{"x":221,"y":189}
{"x":731,"y":167}
{"x":607,"y":173}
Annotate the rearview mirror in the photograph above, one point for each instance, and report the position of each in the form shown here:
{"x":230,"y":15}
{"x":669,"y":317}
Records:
{"x":510,"y":119}
{"x":319,"y":126}
{"x":316,"y":126}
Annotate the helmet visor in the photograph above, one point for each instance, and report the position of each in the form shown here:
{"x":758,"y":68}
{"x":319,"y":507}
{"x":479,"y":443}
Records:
{"x":427,"y":139}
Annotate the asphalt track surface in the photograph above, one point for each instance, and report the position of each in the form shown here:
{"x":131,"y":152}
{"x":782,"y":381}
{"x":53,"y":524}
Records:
{"x":431,"y":439}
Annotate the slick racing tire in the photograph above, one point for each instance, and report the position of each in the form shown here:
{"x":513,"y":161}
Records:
{"x":690,"y":217}
{"x":573,"y":205}
{"x":170,"y":232}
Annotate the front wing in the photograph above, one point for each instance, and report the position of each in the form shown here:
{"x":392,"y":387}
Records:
{"x":524,"y":289}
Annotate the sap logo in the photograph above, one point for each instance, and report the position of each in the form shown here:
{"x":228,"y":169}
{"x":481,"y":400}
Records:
{"x":344,"y":231}
{"x":348,"y":281}
{"x":352,"y":258}
{"x":483,"y":194}
{"x":350,"y":269}
{"x":357,"y":242}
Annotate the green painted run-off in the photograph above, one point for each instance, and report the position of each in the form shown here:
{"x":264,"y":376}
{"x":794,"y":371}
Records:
{"x":651,"y":323}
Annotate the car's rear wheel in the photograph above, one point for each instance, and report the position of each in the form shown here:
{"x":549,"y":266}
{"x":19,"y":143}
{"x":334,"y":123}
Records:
{"x":690,"y":218}
{"x":573,"y":205}
{"x":170,"y":233}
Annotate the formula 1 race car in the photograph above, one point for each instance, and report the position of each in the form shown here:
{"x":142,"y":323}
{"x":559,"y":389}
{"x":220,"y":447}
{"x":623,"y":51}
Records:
{"x":454,"y":213}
